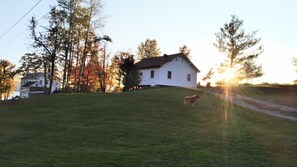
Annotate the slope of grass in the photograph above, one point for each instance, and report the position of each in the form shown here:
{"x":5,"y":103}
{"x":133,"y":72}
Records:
{"x":142,"y":128}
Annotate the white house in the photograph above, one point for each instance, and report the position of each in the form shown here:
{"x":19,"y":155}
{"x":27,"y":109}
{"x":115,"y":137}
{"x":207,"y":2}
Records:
{"x":168,"y":70}
{"x":33,"y":85}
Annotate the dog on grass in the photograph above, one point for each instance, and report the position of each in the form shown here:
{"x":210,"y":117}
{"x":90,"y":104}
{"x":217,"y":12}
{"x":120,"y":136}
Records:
{"x":191,"y":99}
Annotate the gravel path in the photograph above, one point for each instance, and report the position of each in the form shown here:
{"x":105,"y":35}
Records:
{"x":262,"y":106}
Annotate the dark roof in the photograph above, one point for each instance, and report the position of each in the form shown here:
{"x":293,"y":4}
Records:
{"x":37,"y":75}
{"x":33,"y":76}
{"x":156,"y":62}
{"x":28,"y":84}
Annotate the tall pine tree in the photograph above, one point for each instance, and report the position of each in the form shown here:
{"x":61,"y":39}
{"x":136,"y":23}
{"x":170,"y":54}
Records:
{"x":238,"y":46}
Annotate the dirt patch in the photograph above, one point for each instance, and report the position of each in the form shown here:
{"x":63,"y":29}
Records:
{"x":281,"y":111}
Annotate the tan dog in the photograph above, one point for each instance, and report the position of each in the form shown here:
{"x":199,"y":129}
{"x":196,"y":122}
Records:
{"x":191,"y":99}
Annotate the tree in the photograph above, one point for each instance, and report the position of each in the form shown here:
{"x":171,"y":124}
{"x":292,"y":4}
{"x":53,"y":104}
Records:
{"x":66,"y":9}
{"x":251,"y":70}
{"x":49,"y":42}
{"x":147,"y":49}
{"x":66,"y":43}
{"x":208,"y":76}
{"x":7,"y":74}
{"x":88,"y":78}
{"x":131,"y":77}
{"x":89,"y":20}
{"x":30,"y":63}
{"x":236,"y":44}
{"x":115,"y":75}
{"x":100,"y":60}
{"x":185,"y":50}
{"x":74,"y":16}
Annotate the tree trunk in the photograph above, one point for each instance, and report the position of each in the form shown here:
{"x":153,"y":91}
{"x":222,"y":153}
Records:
{"x":53,"y":59}
{"x":65,"y":68}
{"x":103,"y":79}
{"x":52,"y":76}
{"x":76,"y":65}
{"x":45,"y":78}
{"x":69,"y":68}
{"x":69,"y":50}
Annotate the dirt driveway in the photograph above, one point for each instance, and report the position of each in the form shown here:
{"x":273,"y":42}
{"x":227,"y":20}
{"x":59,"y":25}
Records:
{"x":263,"y":106}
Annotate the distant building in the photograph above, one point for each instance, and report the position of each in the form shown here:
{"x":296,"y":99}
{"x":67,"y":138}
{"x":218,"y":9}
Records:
{"x":33,"y":85}
{"x":168,"y":70}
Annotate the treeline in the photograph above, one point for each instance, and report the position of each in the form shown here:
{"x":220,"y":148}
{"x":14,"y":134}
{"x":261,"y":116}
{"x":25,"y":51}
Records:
{"x":68,"y":47}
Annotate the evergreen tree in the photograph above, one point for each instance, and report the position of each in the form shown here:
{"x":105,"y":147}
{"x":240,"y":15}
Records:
{"x":131,"y":77}
{"x":30,"y":63}
{"x":237,"y":45}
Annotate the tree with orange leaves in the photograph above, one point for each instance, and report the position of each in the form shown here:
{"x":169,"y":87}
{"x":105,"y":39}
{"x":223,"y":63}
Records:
{"x":7,"y":74}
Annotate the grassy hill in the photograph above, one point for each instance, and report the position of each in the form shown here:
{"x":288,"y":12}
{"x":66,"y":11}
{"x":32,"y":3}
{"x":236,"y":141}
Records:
{"x":142,"y":128}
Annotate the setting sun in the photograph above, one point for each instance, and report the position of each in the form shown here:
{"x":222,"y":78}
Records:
{"x":228,"y":75}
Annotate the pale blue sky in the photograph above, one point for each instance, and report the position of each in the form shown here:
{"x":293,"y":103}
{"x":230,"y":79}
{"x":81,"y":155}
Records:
{"x":174,"y":23}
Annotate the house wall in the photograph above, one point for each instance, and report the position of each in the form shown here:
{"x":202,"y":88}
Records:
{"x":24,"y":92}
{"x":179,"y":70}
{"x":56,"y":84}
{"x":146,"y":77}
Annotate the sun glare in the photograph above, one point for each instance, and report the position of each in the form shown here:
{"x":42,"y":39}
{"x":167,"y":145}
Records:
{"x":228,"y":75}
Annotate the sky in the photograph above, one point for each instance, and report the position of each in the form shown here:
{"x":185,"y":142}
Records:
{"x":174,"y":23}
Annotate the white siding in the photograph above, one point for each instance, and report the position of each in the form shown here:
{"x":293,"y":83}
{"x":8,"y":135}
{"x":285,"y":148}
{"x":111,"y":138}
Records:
{"x":179,"y":70}
{"x":56,"y":83}
{"x":146,"y":77}
{"x":24,"y":92}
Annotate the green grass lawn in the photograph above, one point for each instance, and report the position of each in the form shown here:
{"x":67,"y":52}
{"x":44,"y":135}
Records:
{"x":142,"y":128}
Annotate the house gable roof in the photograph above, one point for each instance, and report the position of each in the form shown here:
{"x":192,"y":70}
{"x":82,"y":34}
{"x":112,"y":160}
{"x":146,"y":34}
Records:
{"x":28,"y":84}
{"x":156,"y":62}
{"x":33,"y":76}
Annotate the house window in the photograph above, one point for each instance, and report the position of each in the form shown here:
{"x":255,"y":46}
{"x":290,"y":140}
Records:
{"x":140,"y":74}
{"x":188,"y":77}
{"x":152,"y":74}
{"x":40,"y":82}
{"x":169,"y":74}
